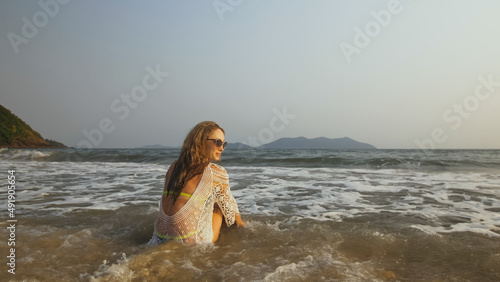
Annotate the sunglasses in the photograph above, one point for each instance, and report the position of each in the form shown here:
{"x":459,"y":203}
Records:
{"x":219,"y":143}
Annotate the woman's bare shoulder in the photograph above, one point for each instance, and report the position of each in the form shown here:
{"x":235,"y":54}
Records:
{"x":171,"y":167}
{"x":169,"y":174}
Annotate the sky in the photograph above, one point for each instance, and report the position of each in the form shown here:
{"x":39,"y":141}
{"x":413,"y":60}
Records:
{"x":120,"y":73}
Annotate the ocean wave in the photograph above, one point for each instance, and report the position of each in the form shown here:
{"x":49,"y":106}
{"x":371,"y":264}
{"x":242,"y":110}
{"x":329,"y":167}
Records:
{"x":95,"y":155}
{"x":370,"y":159}
{"x":25,"y":154}
{"x":323,"y":194}
{"x":347,"y":222}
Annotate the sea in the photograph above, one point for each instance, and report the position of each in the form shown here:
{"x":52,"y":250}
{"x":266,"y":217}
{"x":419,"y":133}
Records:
{"x":312,"y":215}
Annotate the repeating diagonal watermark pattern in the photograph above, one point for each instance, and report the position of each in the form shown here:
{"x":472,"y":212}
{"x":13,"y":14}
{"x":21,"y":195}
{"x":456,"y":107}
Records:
{"x":455,"y":115}
{"x":223,"y":6}
{"x":31,"y":27}
{"x":363,"y":37}
{"x":278,"y":123}
{"x":121,"y":107}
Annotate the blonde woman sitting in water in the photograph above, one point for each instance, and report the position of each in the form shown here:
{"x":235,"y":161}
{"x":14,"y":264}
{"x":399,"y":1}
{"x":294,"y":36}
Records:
{"x":196,"y":198}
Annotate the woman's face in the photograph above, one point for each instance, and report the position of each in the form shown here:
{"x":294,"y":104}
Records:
{"x":214,"y":151}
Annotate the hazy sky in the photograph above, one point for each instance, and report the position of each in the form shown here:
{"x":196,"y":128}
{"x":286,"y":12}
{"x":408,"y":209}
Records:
{"x":394,"y":74}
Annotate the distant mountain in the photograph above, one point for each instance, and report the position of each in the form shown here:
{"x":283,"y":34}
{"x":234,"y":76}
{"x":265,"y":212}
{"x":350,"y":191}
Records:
{"x":293,"y":143}
{"x":15,"y":133}
{"x":231,"y":146}
{"x":238,"y":146}
{"x":317,"y":143}
{"x":156,"y":146}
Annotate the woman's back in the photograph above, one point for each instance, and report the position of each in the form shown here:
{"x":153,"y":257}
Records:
{"x":192,"y":221}
{"x":169,"y":206}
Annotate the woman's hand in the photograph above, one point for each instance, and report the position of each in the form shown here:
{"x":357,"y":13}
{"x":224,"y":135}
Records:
{"x":238,"y":221}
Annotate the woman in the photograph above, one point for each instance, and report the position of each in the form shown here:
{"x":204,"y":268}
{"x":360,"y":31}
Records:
{"x":196,"y":197}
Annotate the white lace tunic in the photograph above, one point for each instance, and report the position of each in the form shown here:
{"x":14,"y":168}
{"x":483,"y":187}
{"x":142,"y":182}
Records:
{"x":193,"y":222}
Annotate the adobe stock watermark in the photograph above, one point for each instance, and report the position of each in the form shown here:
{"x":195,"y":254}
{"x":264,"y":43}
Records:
{"x":455,"y":115}
{"x":121,"y":107}
{"x":277,"y":123}
{"x":223,"y":6}
{"x":373,"y":28}
{"x":39,"y":19}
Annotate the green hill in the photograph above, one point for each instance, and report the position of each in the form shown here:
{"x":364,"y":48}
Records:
{"x":15,"y":133}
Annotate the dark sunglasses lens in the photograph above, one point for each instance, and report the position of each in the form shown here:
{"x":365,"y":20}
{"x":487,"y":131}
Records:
{"x":219,"y":143}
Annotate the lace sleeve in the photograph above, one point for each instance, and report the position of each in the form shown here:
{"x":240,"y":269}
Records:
{"x":223,"y":195}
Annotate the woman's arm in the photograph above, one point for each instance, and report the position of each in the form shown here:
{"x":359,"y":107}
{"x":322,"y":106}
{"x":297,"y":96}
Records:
{"x":224,"y":197}
{"x":238,"y":220}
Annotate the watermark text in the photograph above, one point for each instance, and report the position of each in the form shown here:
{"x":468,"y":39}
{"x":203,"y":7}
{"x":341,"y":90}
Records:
{"x":223,"y":6}
{"x":455,"y":115}
{"x":30,"y":27}
{"x":363,"y":37}
{"x":276,"y":124}
{"x":121,"y":107}
{"x":11,"y":222}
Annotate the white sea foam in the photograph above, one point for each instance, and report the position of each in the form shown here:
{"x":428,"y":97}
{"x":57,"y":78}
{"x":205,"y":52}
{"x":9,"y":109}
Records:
{"x":14,"y":154}
{"x":345,"y":193}
{"x":292,"y":270}
{"x":316,"y":193}
{"x":67,"y":186}
{"x":244,"y":262}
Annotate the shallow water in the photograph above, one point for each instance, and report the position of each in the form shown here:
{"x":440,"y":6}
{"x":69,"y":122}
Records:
{"x":355,"y":221}
{"x":270,"y":248}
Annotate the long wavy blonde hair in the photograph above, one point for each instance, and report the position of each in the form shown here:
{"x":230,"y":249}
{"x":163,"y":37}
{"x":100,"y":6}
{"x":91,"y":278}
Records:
{"x":192,"y":159}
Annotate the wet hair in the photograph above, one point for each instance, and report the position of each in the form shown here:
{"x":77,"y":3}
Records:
{"x":192,"y":159}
